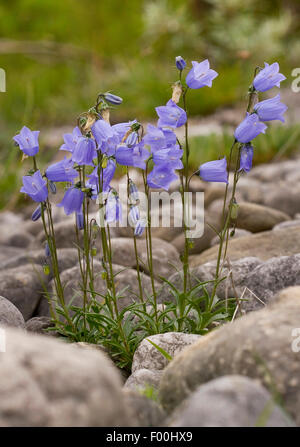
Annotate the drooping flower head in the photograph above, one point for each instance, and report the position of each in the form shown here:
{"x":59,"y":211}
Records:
{"x":106,"y":136}
{"x":170,"y":157}
{"x":268,"y":78}
{"x":200,"y":75}
{"x":171,"y":115}
{"x":161,"y":177}
{"x":154,"y":137}
{"x":85,"y":151}
{"x":249,"y":128}
{"x":106,"y":176}
{"x":180,"y":63}
{"x":135,"y":156}
{"x":72,"y":200}
{"x":140,"y":227}
{"x":113,"y":207}
{"x":27,"y":140}
{"x":70,"y":140}
{"x":79,"y":219}
{"x":36,"y":214}
{"x":62,"y":171}
{"x":35,"y":186}
{"x":271,"y":109}
{"x":133,"y":192}
{"x":214,"y":171}
{"x":246,"y":157}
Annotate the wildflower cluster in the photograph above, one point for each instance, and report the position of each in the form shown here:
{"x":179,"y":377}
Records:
{"x":96,"y":148}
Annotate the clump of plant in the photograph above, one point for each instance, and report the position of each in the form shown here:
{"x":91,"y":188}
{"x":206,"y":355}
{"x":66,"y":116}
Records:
{"x":96,"y":148}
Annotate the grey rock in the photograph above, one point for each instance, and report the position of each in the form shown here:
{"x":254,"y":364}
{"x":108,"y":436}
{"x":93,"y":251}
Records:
{"x":67,"y":258}
{"x":39,"y":325}
{"x":6,"y":253}
{"x":237,"y":234}
{"x":148,"y":357}
{"x":259,"y":345}
{"x":230,"y":401}
{"x":283,"y":197}
{"x":144,"y":411}
{"x":22,"y":286}
{"x":20,"y":239}
{"x":256,"y":218}
{"x":46,"y":383}
{"x":143,"y":378}
{"x":9,"y":314}
{"x":287,"y":224}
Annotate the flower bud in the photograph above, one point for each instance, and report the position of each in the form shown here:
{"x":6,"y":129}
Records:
{"x":104,"y":275}
{"x":131,"y":139}
{"x":234,"y":210}
{"x":52,"y":187}
{"x":113,"y":99}
{"x":104,"y":163}
{"x":94,"y":251}
{"x":180,"y":63}
{"x":36,"y":213}
{"x":79,"y":220}
{"x":46,"y":269}
{"x":133,"y":192}
{"x":47,"y":250}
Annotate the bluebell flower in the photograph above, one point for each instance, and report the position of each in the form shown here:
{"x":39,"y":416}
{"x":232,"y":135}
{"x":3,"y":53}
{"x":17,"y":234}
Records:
{"x":170,"y":137}
{"x":133,"y":215}
{"x":200,"y":75}
{"x":214,"y":171}
{"x":113,"y":207}
{"x":155,"y":138}
{"x":133,"y":192}
{"x":72,"y":200}
{"x":121,"y":129}
{"x":35,"y":186}
{"x":27,"y":140}
{"x":161,"y":177}
{"x":171,"y":115}
{"x":140,"y":227}
{"x":106,"y":136}
{"x":112,"y":99}
{"x":36,"y":214}
{"x":271,"y":109}
{"x":268,"y":78}
{"x":70,"y":140}
{"x":169,"y":156}
{"x":85,"y":151}
{"x":249,"y":128}
{"x":135,"y":156}
{"x":62,"y":171}
{"x":79,"y":219}
{"x":180,"y":63}
{"x":246,"y":157}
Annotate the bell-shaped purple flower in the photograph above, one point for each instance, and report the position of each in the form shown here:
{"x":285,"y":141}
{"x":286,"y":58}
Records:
{"x":169,"y":156}
{"x":170,"y":137}
{"x":171,"y":115}
{"x":180,"y":63}
{"x":214,"y":171}
{"x":121,"y":129}
{"x":85,"y":151}
{"x":268,"y":77}
{"x":133,"y":192}
{"x":113,"y":207}
{"x":133,"y":215}
{"x":70,"y":140}
{"x":72,"y":200}
{"x":161,"y":177}
{"x":200,"y":75}
{"x":246,"y":157}
{"x":249,"y":128}
{"x":131,"y":140}
{"x":140,"y":227}
{"x":135,"y":156}
{"x":155,"y":138}
{"x":271,"y":109}
{"x":106,"y":136}
{"x":62,"y":171}
{"x":35,"y":186}
{"x":28,"y":141}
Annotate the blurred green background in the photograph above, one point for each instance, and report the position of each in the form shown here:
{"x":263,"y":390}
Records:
{"x":58,"y":55}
